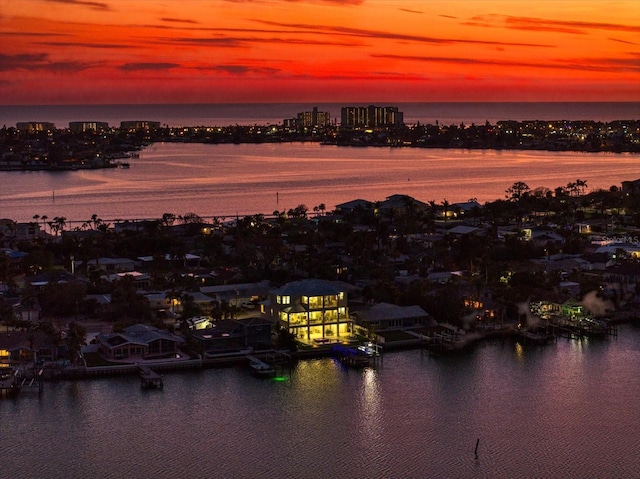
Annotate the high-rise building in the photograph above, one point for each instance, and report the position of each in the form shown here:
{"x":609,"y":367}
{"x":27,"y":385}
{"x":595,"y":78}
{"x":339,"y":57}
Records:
{"x":139,"y":125}
{"x":371,"y":116}
{"x":35,"y":126}
{"x":80,"y":126}
{"x":309,"y":119}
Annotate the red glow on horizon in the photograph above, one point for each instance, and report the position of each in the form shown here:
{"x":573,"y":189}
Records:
{"x":114,"y":51}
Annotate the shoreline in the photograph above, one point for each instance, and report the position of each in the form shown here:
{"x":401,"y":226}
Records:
{"x":240,"y":358}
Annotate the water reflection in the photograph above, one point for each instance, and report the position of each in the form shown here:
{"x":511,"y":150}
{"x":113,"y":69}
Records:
{"x":215,"y":179}
{"x":553,"y":411}
{"x":370,"y":413}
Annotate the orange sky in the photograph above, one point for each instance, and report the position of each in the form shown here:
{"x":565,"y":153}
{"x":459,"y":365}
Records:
{"x":215,"y":51}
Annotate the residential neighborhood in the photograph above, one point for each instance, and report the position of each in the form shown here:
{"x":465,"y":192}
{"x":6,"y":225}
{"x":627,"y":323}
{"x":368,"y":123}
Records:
{"x":396,"y":272}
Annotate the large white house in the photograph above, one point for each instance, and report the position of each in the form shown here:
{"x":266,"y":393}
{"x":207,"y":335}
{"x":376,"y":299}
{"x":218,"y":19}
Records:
{"x":312,"y":310}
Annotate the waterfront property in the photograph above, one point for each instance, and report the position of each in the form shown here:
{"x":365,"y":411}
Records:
{"x":139,"y":341}
{"x":233,"y":335}
{"x":311,"y":310}
{"x":18,"y":347}
{"x":389,"y":317}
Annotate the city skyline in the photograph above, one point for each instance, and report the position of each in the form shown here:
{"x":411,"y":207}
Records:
{"x":112,"y":51}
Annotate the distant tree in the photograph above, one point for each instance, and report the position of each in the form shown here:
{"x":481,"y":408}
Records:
{"x":168,"y":219}
{"x":516,"y":191}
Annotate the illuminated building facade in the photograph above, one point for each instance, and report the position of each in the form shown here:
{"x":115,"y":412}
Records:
{"x":311,"y":310}
{"x":35,"y":126}
{"x":370,"y":117}
{"x":309,"y":119}
{"x":139,"y":125}
{"x":80,"y":126}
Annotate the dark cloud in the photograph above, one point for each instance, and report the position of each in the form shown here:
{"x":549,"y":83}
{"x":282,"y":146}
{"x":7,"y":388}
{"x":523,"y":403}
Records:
{"x":242,"y":69}
{"x":586,"y":64}
{"x":230,"y":42}
{"x":541,"y":23}
{"x":83,"y":3}
{"x":85,"y":45}
{"x":545,"y":25}
{"x":410,"y":11}
{"x":150,"y":66}
{"x":179,"y":20}
{"x":381,"y":35}
{"x":40,"y":62}
{"x":34,"y":34}
{"x":236,"y":42}
{"x":622,"y":41}
{"x":21,"y":62}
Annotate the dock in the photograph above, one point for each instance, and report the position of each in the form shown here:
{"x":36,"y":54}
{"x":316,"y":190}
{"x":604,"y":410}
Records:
{"x":356,"y":358}
{"x":9,"y":386}
{"x":260,"y":368}
{"x":149,"y":379}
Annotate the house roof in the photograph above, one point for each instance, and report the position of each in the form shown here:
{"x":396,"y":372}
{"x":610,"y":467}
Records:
{"x":309,"y":287}
{"x":260,"y":287}
{"x":137,"y":334}
{"x":462,"y":230}
{"x":387,"y":311}
{"x":349,"y":205}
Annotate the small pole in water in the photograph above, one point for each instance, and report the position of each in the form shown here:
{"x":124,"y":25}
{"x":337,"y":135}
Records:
{"x":476,"y":451}
{"x":53,"y":195}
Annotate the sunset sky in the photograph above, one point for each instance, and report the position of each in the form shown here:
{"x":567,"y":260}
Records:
{"x":219,"y":51}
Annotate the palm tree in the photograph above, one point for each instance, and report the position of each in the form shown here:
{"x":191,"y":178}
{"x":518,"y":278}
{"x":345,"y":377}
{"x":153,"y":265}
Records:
{"x":445,"y":210}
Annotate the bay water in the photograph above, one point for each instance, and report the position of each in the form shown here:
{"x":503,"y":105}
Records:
{"x":570,"y":409}
{"x":238,"y":180}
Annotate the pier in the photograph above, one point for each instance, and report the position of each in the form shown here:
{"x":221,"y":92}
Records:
{"x":586,"y":328}
{"x":261,"y":368}
{"x":9,"y":383}
{"x":149,"y":379}
{"x":360,"y":357}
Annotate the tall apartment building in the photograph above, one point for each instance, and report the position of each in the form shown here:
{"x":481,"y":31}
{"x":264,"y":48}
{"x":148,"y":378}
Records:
{"x":309,"y":119}
{"x":35,"y":126}
{"x":80,"y":126}
{"x":370,"y":116}
{"x":139,"y":125}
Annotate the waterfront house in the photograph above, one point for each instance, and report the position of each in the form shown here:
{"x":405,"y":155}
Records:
{"x":389,"y":317}
{"x":226,"y":335}
{"x":257,"y":332}
{"x":311,"y":310}
{"x":25,"y":346}
{"x":139,"y":341}
{"x":234,"y":334}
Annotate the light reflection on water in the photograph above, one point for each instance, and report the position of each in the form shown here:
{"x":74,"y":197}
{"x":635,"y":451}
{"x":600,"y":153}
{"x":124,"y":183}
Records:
{"x":225,"y":180}
{"x":569,"y":409}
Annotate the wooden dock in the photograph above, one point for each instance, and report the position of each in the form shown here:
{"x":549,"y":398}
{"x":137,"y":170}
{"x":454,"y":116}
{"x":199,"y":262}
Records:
{"x":260,"y":368}
{"x":149,"y":379}
{"x":9,"y":385}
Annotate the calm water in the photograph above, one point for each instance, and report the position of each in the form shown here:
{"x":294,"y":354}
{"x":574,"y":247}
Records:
{"x":274,"y":113}
{"x":225,"y":180}
{"x":568,"y":410}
